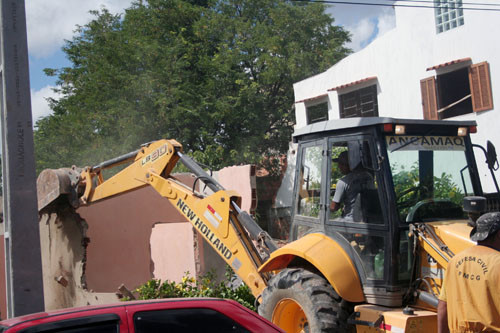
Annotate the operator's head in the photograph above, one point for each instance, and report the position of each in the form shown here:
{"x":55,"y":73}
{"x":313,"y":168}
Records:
{"x":487,"y":229}
{"x":343,"y":162}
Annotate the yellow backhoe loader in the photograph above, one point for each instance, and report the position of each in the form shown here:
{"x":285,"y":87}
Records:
{"x":376,"y":266}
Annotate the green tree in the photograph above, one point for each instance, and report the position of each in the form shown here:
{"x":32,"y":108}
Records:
{"x":215,"y":75}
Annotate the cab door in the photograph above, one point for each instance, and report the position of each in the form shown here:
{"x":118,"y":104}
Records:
{"x":310,"y":200}
{"x":361,"y":225}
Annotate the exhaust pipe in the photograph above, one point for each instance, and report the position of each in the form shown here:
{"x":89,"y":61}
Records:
{"x":428,"y":298}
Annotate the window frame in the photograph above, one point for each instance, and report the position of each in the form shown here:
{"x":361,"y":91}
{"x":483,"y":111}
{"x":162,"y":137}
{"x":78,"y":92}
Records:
{"x":317,"y":104}
{"x":382,"y":198}
{"x":442,"y":10}
{"x":371,"y":88}
{"x":480,"y":89}
{"x":76,"y":322}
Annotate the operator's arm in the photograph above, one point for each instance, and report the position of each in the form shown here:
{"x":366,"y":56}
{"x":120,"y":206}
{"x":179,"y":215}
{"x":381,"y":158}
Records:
{"x":338,"y":196}
{"x":442,"y":317}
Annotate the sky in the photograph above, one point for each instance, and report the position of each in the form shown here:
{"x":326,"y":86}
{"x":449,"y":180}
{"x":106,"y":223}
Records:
{"x":364,"y":22}
{"x":51,"y":22}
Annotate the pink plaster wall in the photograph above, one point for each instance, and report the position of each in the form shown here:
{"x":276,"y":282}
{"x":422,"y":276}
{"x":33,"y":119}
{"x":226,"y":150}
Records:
{"x":173,"y":250}
{"x":137,"y":236}
{"x":120,"y":231}
{"x":241,"y":179}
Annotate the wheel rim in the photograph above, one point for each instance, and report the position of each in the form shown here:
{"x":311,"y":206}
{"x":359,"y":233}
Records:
{"x":290,"y":317}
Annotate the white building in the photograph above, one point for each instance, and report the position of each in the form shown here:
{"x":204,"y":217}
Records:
{"x":441,"y":63}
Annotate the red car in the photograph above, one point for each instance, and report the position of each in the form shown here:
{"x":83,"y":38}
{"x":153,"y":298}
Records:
{"x":165,"y":315}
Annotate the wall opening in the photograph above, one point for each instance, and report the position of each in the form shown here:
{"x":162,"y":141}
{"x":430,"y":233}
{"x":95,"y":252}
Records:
{"x":452,"y":87}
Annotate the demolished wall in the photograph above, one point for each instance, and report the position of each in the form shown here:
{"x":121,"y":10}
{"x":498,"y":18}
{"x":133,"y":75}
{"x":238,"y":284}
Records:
{"x":64,"y":259}
{"x":88,"y":253}
{"x":125,"y":240}
{"x":137,"y":236}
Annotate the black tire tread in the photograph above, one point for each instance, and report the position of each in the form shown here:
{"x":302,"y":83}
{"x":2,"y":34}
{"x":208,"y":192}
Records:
{"x":325,"y":310}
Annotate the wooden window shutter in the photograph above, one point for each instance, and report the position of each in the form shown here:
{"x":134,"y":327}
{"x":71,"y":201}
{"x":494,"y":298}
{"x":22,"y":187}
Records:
{"x":429,"y":101}
{"x":480,"y":87}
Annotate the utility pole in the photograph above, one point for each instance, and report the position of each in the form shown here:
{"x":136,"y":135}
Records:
{"x":22,"y":236}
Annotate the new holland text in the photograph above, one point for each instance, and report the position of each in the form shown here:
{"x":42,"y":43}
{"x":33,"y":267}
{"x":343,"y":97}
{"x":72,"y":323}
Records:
{"x":204,"y":229}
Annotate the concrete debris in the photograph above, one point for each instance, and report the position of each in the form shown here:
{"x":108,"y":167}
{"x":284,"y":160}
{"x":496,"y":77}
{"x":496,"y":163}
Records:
{"x":124,"y":292}
{"x":61,"y":280}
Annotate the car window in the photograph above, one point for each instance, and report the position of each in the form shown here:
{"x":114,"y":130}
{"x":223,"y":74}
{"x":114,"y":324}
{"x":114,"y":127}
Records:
{"x":94,"y":328}
{"x":185,"y":320}
{"x":104,"y":323}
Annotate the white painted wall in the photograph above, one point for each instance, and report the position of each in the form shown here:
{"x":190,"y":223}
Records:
{"x":399,"y":60}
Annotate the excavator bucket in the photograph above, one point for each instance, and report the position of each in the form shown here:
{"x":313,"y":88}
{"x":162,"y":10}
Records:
{"x":53,"y":184}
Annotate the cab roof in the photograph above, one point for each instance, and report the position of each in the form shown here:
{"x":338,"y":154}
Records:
{"x":357,"y":122}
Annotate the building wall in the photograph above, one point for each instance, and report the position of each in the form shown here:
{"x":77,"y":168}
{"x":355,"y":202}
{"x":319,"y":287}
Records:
{"x":64,"y":259}
{"x":120,"y":233}
{"x":139,"y":235}
{"x":399,"y":60}
{"x":170,"y":258}
{"x":242,"y":180}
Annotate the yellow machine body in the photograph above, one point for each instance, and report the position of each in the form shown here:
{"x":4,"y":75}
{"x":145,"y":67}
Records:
{"x":433,"y":263}
{"x":328,"y":257}
{"x":374,"y":318}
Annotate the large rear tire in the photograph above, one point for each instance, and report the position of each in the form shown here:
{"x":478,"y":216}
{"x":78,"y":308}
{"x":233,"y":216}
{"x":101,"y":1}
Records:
{"x":298,"y":300}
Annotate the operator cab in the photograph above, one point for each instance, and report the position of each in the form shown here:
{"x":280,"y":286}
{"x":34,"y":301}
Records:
{"x":400,"y":172}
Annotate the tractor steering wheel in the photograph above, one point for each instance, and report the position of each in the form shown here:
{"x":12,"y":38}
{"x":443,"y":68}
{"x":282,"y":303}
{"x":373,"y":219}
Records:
{"x":406,"y":201}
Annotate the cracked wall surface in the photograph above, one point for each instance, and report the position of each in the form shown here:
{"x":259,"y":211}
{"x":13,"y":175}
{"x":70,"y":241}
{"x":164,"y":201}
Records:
{"x":64,"y":260}
{"x":88,"y":253}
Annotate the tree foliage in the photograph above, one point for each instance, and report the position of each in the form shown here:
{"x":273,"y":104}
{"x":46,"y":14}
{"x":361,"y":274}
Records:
{"x":215,"y":75}
{"x":408,"y":188}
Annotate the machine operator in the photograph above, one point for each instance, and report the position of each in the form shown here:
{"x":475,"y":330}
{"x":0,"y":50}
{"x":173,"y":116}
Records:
{"x":348,"y":187}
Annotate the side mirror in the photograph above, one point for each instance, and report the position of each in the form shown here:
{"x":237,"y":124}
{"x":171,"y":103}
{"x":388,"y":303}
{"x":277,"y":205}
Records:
{"x":491,"y":155}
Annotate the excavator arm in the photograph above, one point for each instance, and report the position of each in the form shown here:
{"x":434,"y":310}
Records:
{"x":234,"y":235}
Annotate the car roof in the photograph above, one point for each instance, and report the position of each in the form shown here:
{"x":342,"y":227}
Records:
{"x":195,"y":302}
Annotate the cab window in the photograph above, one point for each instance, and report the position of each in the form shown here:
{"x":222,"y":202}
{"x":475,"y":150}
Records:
{"x":310,"y":182}
{"x":430,"y":175}
{"x":354,"y":194}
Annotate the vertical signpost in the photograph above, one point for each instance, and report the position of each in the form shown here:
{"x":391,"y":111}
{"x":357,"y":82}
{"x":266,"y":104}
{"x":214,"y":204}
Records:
{"x":22,"y":240}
